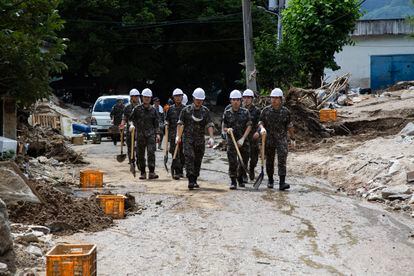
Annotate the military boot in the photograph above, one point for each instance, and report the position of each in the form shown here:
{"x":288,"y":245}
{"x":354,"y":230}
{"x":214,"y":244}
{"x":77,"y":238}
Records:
{"x":251,"y":174}
{"x":244,"y":178}
{"x":195,"y":183}
{"x":270,"y":183}
{"x":282,"y":184}
{"x":190,"y":182}
{"x":233,"y":184}
{"x":152,"y":175}
{"x":240,"y":181}
{"x":143,"y":175}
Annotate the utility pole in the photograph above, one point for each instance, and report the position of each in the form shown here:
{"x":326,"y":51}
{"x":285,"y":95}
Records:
{"x":248,"y":46}
{"x":277,"y":6}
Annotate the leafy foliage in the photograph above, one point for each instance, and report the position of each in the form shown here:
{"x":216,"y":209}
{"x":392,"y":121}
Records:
{"x":316,"y":29}
{"x":30,"y":49}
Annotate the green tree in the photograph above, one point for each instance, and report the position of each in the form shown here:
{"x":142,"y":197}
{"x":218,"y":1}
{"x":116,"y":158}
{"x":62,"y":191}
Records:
{"x":317,"y":29}
{"x":30,"y":49}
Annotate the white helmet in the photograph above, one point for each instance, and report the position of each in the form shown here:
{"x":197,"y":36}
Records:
{"x":185,"y":99}
{"x":147,"y":92}
{"x":134,"y":92}
{"x":277,"y":92}
{"x":235,"y":94}
{"x":248,"y":93}
{"x":199,"y":94}
{"x":178,"y":92}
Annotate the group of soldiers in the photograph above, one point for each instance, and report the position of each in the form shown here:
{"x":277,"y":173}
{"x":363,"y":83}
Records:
{"x":242,"y":126}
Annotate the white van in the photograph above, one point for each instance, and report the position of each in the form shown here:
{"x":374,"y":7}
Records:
{"x":101,"y":119}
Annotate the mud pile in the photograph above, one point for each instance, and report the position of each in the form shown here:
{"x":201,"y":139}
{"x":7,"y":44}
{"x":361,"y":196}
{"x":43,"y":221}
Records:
{"x":48,"y":142}
{"x":61,"y":212}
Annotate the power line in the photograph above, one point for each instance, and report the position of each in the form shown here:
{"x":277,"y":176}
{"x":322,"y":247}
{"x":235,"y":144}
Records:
{"x":155,"y":23}
{"x":182,"y":41}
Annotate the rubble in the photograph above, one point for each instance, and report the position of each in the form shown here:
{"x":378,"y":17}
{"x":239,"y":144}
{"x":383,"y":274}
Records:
{"x":47,"y":142}
{"x":6,"y":242}
{"x":396,"y":191}
{"x":62,"y":213}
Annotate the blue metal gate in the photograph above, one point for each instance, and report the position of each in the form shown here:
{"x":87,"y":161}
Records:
{"x":390,"y":69}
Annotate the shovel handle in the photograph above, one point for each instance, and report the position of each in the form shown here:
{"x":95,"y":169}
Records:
{"x":122,"y":141}
{"x":133,"y":143}
{"x":237,"y":148}
{"x":262,"y":149}
{"x":180,"y":134}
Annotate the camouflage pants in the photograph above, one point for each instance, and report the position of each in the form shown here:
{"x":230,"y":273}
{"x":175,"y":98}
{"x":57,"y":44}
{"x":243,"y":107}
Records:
{"x":179,"y":162}
{"x":193,"y":155}
{"x":280,"y":147}
{"x":146,"y":143}
{"x":235,"y":169}
{"x":253,"y":154}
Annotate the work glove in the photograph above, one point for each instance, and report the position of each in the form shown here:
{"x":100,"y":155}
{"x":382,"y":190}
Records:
{"x":122,"y":126}
{"x":224,"y":135}
{"x":240,"y":142}
{"x":256,"y":135}
{"x":131,"y":127}
{"x":177,"y":140}
{"x":158,"y":138}
{"x":229,"y":130}
{"x":263,"y":131}
{"x":211,"y":142}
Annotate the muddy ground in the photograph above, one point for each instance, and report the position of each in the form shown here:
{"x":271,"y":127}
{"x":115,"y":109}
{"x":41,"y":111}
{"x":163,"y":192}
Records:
{"x":312,"y":229}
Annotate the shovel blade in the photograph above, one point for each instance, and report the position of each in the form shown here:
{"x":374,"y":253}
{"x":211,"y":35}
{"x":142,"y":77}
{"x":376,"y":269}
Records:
{"x":258,"y":181}
{"x":121,"y":158}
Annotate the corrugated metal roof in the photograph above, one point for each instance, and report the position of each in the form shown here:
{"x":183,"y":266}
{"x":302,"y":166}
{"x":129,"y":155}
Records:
{"x":383,"y":27}
{"x":387,"y":9}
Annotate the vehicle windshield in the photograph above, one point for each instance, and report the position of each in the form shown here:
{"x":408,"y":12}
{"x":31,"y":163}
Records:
{"x":105,"y":105}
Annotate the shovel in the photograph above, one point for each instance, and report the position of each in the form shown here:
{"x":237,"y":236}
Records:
{"x":262,"y":155}
{"x":166,"y":148}
{"x":132,"y":166}
{"x":238,"y":151}
{"x":177,"y":146}
{"x":121,"y":157}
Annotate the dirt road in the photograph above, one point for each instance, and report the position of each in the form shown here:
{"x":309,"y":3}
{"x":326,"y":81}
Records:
{"x":309,"y":230}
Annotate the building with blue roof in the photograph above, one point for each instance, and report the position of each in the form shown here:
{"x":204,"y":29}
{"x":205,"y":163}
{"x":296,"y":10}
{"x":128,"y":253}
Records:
{"x":383,"y":53}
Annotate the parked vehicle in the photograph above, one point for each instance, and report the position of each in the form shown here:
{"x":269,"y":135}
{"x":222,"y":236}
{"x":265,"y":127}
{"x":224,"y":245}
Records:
{"x":101,"y":119}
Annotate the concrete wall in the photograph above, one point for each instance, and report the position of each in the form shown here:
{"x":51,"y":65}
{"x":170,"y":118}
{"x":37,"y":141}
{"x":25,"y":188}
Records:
{"x":357,"y":59}
{"x":9,"y":118}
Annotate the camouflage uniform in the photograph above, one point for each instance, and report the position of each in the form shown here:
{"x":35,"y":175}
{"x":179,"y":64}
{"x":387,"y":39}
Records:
{"x":195,"y":122}
{"x":276,"y":122}
{"x":146,"y":123}
{"x":254,"y":144}
{"x":127,"y":114}
{"x":171,"y":120}
{"x":239,"y":121}
{"x":116,"y":113}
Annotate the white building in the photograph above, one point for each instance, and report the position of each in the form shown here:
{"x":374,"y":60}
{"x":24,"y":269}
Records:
{"x":383,"y":53}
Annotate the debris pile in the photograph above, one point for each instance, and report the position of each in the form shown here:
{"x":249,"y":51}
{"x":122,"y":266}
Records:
{"x":62,"y":213}
{"x":49,"y":143}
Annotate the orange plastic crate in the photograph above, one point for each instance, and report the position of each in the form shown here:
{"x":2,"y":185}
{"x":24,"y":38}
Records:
{"x":71,"y":260}
{"x":327,"y":115}
{"x":113,"y":205}
{"x":91,"y":179}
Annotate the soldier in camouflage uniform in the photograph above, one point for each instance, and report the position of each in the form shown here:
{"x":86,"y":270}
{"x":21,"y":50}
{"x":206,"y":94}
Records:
{"x":145,"y":119}
{"x":171,"y":119}
{"x":248,"y":97}
{"x":237,"y":120}
{"x":195,"y":118}
{"x":116,"y":116}
{"x":134,"y":101}
{"x":275,"y":121}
